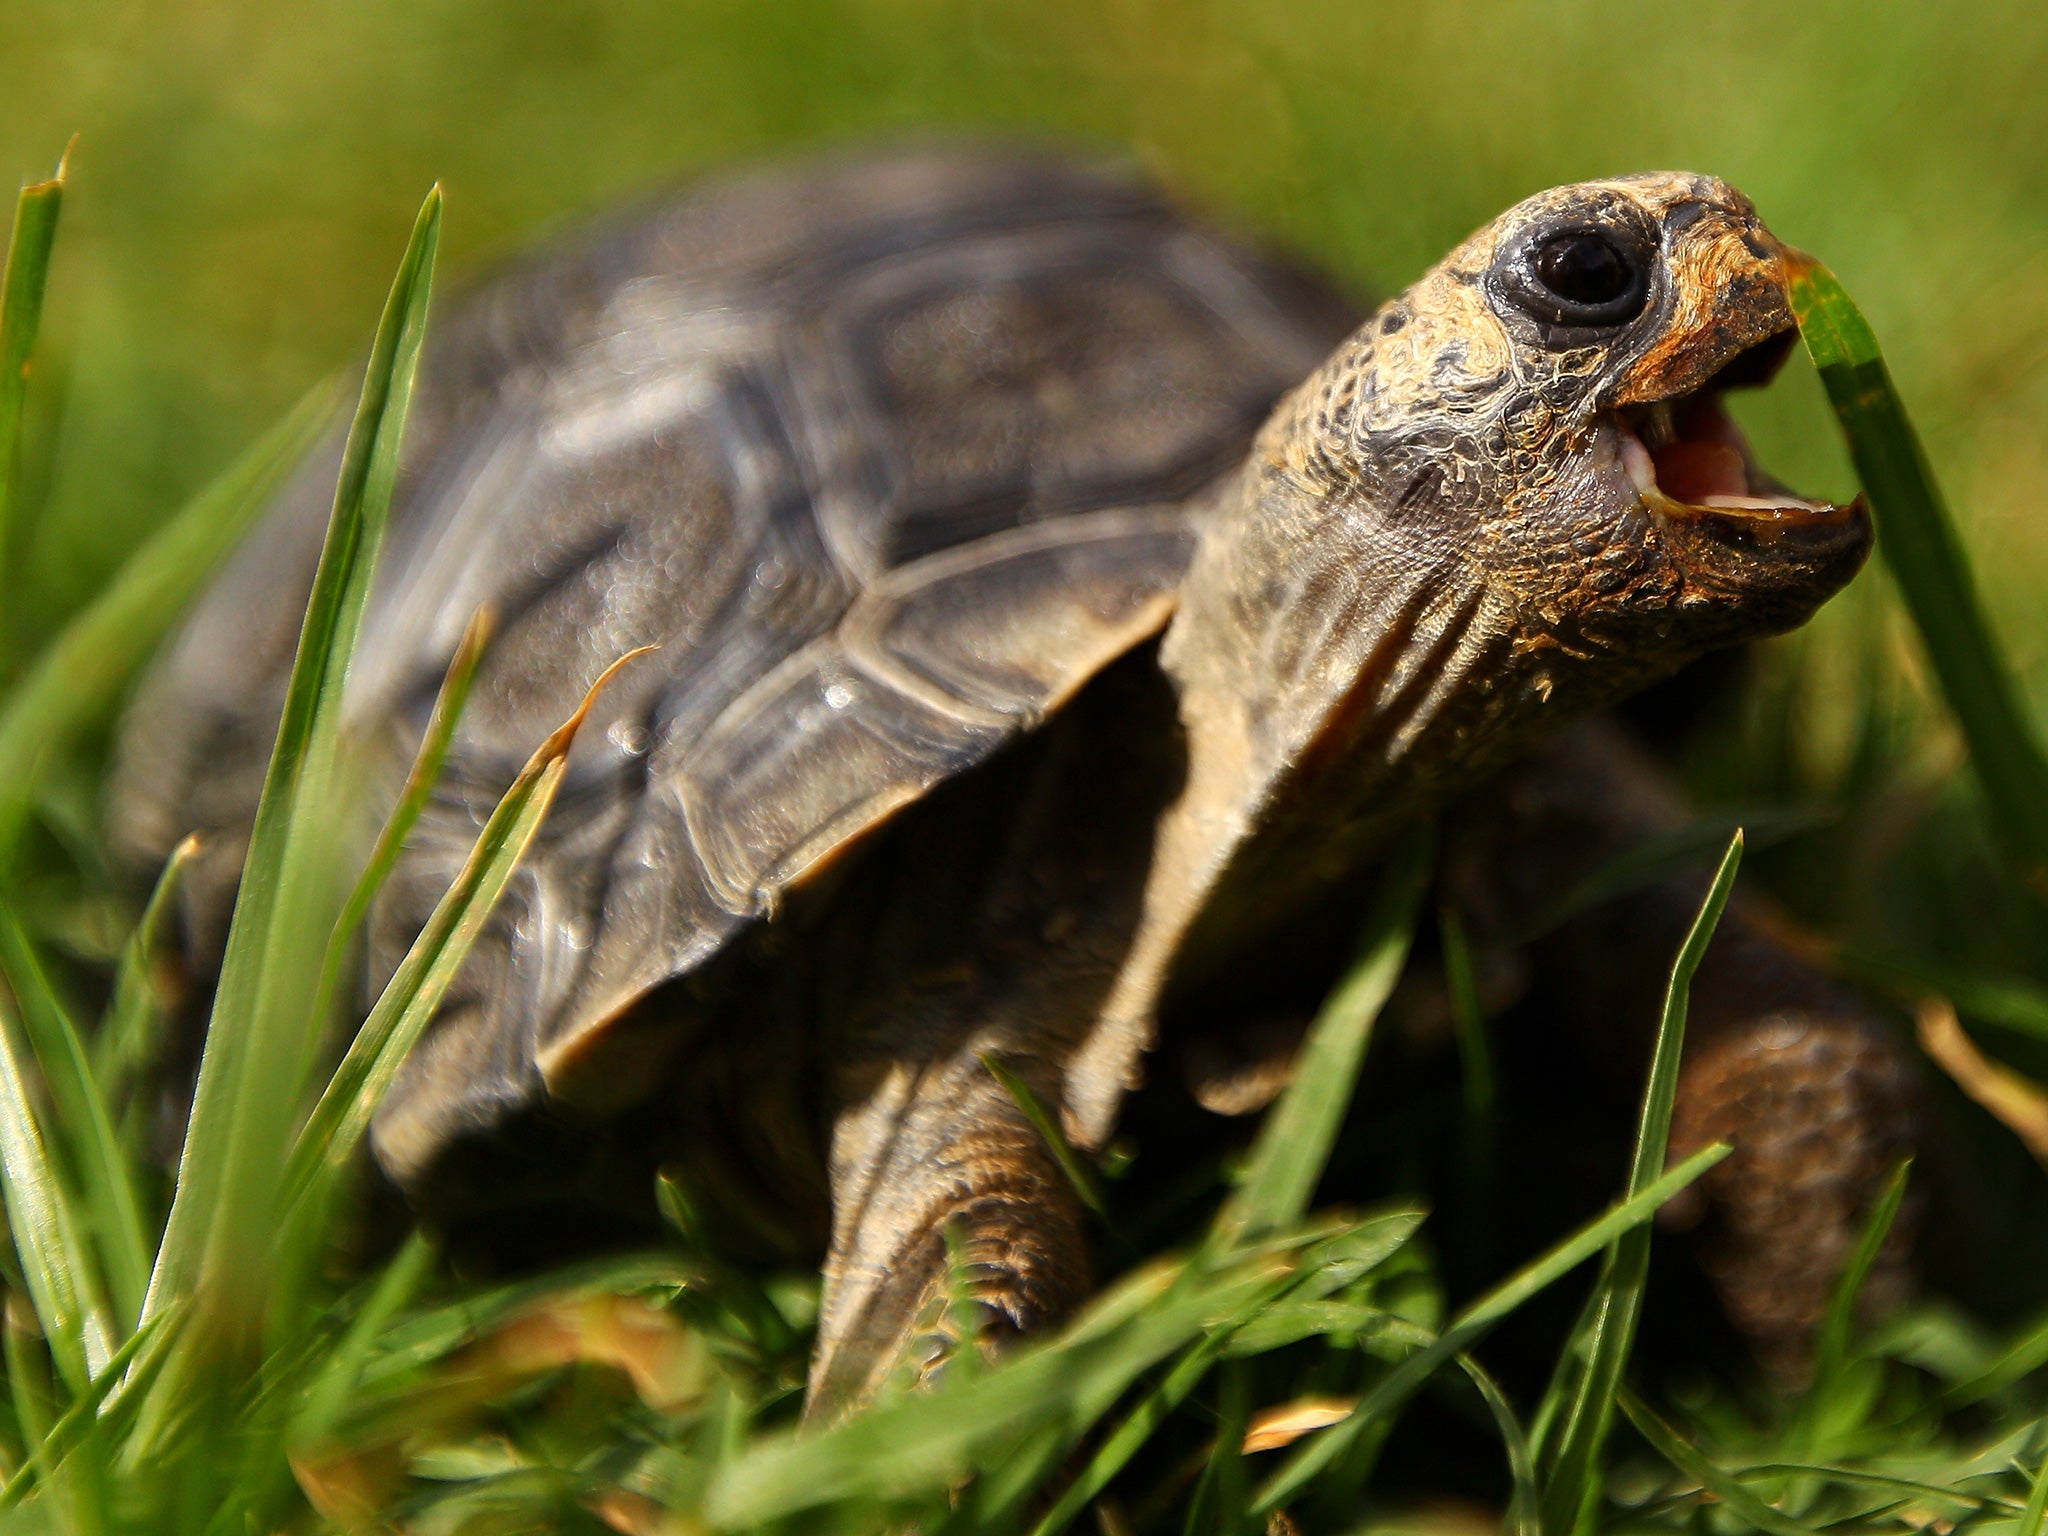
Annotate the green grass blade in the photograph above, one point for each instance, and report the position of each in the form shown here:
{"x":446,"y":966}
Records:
{"x":340,"y":1370}
{"x":21,"y":317}
{"x":1131,"y":1433}
{"x":48,"y":1452}
{"x":1674,"y":1448}
{"x":988,"y":1506}
{"x":44,"y":1226}
{"x":1563,"y":1387}
{"x":1522,"y":1514}
{"x":1571,"y":1483}
{"x":427,"y":763}
{"x":118,"y":1410}
{"x":83,"y":1127}
{"x":29,"y":1388}
{"x":924,"y":1443}
{"x":76,"y":679}
{"x":1072,"y":1164}
{"x":2008,"y":1002}
{"x":1217,"y":1505}
{"x":341,"y":1117}
{"x":1289,"y":1322}
{"x":1294,"y":1142}
{"x":131,"y":1035}
{"x":1653,"y":1133}
{"x":420,"y":780}
{"x":965,"y":1361}
{"x":2026,"y":1354}
{"x":222,"y":1223}
{"x":2034,"y":1518}
{"x":1473,"y":1323}
{"x":1139,"y":1424}
{"x":1831,"y":1349}
{"x":1883,"y":1482}
{"x":429,"y":1335}
{"x":1362,"y":1247}
{"x":1920,"y":548}
{"x":1479,"y":1138}
{"x":1311,"y":1308}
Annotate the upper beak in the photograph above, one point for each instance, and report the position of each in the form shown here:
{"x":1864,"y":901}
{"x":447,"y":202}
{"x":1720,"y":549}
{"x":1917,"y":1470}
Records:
{"x":1730,"y":291}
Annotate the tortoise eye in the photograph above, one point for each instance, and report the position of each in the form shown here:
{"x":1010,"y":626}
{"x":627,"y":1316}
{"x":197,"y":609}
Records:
{"x":1582,"y":268}
{"x":1582,"y":277}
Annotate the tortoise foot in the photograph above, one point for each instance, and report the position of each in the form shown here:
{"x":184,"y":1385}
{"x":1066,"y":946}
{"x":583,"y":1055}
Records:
{"x":963,"y":1228}
{"x":1000,"y":1284}
{"x":1819,"y":1110}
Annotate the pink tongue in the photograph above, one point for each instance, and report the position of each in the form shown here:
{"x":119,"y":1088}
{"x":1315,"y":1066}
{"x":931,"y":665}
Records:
{"x":1689,"y":470}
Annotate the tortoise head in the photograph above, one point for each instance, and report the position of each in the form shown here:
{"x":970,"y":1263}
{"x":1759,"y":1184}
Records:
{"x":1549,"y":398}
{"x":1519,"y":476}
{"x":1511,"y":495}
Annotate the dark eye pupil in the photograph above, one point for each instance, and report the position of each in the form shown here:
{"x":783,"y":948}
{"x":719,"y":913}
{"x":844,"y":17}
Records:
{"x":1582,"y":268}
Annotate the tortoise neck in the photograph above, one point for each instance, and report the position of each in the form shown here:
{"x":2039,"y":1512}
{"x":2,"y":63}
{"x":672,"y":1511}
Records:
{"x":1325,"y":657}
{"x":1324,"y":689}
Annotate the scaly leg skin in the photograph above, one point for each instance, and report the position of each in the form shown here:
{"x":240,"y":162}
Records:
{"x":1819,"y":1107}
{"x":929,"y":1149}
{"x":996,"y":921}
{"x":1809,"y":1085}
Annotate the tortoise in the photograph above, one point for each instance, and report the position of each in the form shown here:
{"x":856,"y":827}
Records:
{"x":1058,"y":597}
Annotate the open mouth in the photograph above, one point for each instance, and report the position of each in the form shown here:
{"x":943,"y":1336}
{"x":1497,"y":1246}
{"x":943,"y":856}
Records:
{"x":1689,"y":460}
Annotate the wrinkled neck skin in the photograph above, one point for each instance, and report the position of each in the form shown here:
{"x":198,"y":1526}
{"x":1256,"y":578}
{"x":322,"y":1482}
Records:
{"x":1372,"y":619}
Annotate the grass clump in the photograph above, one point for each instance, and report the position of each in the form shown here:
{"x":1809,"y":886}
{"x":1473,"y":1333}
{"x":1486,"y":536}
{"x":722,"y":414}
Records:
{"x":204,"y":1358}
{"x":165,"y":1382}
{"x":1918,"y":542}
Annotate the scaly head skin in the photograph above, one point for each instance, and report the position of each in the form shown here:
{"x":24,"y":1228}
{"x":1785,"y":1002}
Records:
{"x":1511,"y":496}
{"x":1533,"y":432}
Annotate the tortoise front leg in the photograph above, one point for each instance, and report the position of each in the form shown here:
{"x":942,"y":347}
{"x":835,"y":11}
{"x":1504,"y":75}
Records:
{"x":931,"y":1148}
{"x":1810,"y":1086}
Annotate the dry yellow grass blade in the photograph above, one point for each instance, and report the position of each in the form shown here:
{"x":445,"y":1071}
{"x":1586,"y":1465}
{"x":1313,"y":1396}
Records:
{"x":353,"y":1482}
{"x":1288,"y":1422}
{"x":2019,"y":1102}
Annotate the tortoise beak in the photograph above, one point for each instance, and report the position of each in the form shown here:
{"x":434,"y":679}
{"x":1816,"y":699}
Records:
{"x":1691,"y":463}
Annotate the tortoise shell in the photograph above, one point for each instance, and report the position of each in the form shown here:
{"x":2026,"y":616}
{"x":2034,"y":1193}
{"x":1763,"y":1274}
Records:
{"x":888,"y":456}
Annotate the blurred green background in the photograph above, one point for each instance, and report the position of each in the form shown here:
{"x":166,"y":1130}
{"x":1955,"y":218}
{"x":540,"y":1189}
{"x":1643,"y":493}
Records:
{"x":246,"y":170}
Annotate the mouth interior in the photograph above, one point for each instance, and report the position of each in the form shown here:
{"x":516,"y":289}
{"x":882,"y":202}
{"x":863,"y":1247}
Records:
{"x":1688,"y":458}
